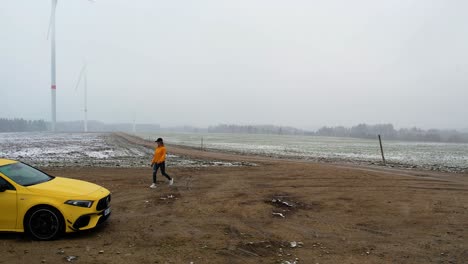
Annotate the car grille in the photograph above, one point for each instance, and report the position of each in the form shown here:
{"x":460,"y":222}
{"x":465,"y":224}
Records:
{"x":103,"y":203}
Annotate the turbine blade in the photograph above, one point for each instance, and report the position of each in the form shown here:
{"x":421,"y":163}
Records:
{"x":83,"y":69}
{"x":52,"y":15}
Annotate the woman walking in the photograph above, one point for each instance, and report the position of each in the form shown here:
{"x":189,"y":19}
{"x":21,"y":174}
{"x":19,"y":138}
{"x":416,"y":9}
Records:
{"x":159,"y":162}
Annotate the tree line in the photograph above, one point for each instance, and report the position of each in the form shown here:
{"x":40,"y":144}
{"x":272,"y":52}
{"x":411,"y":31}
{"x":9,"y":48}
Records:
{"x":22,"y":125}
{"x":359,"y":131}
{"x":97,"y":126}
{"x":255,"y":129}
{"x":389,"y":132}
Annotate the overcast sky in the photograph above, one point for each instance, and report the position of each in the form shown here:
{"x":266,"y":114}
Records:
{"x":298,"y":63}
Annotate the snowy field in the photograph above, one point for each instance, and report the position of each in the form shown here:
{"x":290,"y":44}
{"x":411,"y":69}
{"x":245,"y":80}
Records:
{"x":90,"y":149}
{"x":450,"y":157}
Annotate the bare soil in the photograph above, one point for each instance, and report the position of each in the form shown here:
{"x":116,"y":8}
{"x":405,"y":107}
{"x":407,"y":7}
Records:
{"x":251,"y":214}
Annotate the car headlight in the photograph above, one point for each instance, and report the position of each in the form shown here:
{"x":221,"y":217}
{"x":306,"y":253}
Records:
{"x":80,"y":203}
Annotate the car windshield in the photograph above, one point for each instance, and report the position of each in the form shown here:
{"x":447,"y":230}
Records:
{"x":24,"y":174}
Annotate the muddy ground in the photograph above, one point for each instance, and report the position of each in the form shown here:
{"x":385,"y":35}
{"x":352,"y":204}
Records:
{"x":251,"y":214}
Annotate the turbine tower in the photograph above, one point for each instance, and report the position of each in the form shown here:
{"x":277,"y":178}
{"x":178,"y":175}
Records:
{"x":53,"y":84}
{"x":84,"y":75}
{"x":134,"y":123}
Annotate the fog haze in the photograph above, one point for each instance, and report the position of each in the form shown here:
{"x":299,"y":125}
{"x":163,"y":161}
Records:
{"x":295,"y":63}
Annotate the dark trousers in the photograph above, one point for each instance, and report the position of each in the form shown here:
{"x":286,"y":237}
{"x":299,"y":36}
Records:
{"x":161,"y":166}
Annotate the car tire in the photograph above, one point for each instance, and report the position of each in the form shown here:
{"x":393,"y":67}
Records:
{"x":44,"y":223}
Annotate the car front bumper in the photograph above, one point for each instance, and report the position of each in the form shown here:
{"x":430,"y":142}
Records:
{"x":89,"y":221}
{"x":87,"y":218}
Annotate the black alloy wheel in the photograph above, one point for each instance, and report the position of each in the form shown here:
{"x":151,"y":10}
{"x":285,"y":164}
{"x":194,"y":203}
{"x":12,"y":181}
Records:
{"x":44,"y":223}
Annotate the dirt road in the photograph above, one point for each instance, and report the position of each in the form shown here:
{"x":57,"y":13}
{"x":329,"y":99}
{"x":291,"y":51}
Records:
{"x":335,"y":214}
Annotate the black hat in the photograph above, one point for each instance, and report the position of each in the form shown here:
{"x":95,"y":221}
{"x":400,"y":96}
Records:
{"x":159,"y":140}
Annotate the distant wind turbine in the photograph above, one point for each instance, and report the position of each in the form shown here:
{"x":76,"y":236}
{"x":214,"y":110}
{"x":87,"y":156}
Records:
{"x":84,"y":75}
{"x":53,"y":85}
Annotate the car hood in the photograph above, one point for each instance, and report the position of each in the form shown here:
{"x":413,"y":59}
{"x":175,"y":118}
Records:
{"x":65,"y":187}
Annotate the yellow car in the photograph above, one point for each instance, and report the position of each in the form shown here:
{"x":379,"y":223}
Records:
{"x":45,"y":206}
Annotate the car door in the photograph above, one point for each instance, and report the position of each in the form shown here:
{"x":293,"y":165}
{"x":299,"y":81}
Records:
{"x":8,"y":205}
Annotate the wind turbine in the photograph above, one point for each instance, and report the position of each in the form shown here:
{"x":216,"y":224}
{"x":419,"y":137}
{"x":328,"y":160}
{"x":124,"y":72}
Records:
{"x":84,"y":75}
{"x":134,"y":123}
{"x":53,"y":84}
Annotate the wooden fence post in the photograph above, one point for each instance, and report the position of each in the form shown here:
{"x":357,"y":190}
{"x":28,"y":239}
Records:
{"x":381,"y":150}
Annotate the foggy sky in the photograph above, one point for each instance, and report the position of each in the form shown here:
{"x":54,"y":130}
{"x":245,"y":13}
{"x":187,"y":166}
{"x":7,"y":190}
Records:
{"x":298,"y":63}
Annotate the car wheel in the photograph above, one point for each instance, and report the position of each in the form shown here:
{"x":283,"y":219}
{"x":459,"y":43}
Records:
{"x":44,"y":223}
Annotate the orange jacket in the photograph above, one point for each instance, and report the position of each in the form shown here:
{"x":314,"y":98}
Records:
{"x":159,"y":155}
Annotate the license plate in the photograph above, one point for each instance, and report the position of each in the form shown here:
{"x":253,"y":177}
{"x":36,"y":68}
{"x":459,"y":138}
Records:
{"x":107,"y":211}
